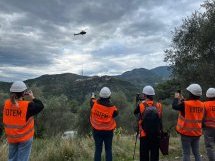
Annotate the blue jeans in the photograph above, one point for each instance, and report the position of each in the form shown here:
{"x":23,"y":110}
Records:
{"x":209,"y":135}
{"x":100,"y":137}
{"x":20,"y":151}
{"x":189,"y":142}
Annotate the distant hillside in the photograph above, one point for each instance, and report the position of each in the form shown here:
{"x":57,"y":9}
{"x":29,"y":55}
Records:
{"x":142,"y":76}
{"x":162,"y":71}
{"x":75,"y":86}
{"x":78,"y":87}
{"x":4,"y":86}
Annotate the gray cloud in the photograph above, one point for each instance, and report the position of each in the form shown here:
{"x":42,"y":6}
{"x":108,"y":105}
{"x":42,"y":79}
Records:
{"x":38,"y":35}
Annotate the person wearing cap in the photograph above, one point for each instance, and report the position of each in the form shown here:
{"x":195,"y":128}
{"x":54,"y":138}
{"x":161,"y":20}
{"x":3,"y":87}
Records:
{"x":209,"y":124}
{"x":149,"y":145}
{"x":190,"y":118}
{"x":19,"y":122}
{"x":103,"y":123}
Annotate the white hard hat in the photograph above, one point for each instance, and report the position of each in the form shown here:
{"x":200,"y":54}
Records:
{"x":148,"y":90}
{"x":18,"y":86}
{"x":210,"y":93}
{"x":105,"y":92}
{"x":195,"y":89}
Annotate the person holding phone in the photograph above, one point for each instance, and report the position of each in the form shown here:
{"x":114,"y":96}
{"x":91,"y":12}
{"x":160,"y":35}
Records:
{"x":19,"y":122}
{"x":103,"y":123}
{"x":190,"y":118}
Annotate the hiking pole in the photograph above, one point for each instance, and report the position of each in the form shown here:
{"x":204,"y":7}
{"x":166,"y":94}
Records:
{"x":135,"y":144}
{"x":137,"y":129}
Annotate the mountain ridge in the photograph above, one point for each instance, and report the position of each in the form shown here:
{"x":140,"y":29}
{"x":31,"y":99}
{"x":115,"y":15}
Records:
{"x":77,"y":87}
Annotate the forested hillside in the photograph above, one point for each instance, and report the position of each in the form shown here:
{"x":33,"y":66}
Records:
{"x":77,"y":87}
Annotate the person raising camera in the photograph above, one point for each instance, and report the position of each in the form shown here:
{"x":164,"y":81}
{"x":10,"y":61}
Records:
{"x":189,"y":125}
{"x":19,"y":122}
{"x":103,"y":123}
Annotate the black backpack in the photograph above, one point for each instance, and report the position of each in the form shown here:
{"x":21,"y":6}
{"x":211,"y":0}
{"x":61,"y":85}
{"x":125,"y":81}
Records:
{"x":151,"y":122}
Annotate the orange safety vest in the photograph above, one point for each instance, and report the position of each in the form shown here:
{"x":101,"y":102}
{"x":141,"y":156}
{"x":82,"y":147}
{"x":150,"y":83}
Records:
{"x":209,"y":120}
{"x":17,"y":129}
{"x":102,"y":117}
{"x":142,"y":109}
{"x":191,"y":123}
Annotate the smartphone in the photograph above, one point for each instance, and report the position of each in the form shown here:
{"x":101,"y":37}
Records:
{"x":27,"y":92}
{"x":93,"y":95}
{"x":179,"y":91}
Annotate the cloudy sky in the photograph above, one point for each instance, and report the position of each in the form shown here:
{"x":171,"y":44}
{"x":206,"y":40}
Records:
{"x":37,"y":36}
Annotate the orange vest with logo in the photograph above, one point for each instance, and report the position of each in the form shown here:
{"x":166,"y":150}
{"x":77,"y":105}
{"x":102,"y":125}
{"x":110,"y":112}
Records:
{"x":142,"y":109}
{"x":209,"y":120}
{"x":17,"y":129}
{"x":102,"y":117}
{"x":191,"y":124}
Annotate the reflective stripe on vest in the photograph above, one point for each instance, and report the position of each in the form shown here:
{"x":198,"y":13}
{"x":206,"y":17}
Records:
{"x":209,"y":120}
{"x":19,"y":126}
{"x":190,"y":121}
{"x":191,"y":124}
{"x":17,"y":129}
{"x":21,"y":135}
{"x":102,"y":117}
{"x":142,"y":108}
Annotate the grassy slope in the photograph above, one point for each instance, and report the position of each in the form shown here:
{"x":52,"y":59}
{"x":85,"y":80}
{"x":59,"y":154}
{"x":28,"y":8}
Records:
{"x":83,"y":149}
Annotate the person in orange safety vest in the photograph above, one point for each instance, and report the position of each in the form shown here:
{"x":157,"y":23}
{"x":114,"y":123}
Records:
{"x":103,"y":123}
{"x":209,"y":124}
{"x":149,"y":145}
{"x":19,"y":122}
{"x":190,"y":118}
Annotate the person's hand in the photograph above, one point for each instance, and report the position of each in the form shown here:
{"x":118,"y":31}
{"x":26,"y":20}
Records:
{"x":177,"y":95}
{"x":30,"y":94}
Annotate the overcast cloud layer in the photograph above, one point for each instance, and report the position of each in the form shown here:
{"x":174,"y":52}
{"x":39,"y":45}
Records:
{"x":37,"y":36}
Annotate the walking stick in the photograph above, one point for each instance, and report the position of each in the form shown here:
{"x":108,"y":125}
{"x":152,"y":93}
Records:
{"x":137,"y":129}
{"x":135,"y":145}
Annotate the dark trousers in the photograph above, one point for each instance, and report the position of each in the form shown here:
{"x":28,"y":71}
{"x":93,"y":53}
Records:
{"x":100,"y":137}
{"x":149,"y":149}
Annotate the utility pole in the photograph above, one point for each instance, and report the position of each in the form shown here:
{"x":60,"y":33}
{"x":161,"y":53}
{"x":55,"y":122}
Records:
{"x":82,"y":71}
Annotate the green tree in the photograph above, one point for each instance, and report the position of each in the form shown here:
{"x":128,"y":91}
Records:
{"x":56,"y":117}
{"x":167,"y":89}
{"x":3,"y":96}
{"x":192,"y":53}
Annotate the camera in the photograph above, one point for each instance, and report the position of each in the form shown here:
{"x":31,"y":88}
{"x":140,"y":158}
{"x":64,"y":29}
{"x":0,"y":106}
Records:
{"x":93,"y":95}
{"x":27,"y":92}
{"x":178,"y":91}
{"x":139,"y":97}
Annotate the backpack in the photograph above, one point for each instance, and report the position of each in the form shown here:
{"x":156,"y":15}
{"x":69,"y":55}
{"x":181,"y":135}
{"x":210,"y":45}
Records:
{"x":151,"y":122}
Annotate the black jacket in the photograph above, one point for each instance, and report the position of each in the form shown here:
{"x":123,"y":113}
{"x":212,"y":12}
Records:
{"x":34,"y":107}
